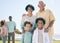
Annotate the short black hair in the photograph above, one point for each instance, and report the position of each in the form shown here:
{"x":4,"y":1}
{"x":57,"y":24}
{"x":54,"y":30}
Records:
{"x":27,"y":23}
{"x":2,"y":23}
{"x":10,"y":16}
{"x":31,"y":6}
{"x":38,"y":19}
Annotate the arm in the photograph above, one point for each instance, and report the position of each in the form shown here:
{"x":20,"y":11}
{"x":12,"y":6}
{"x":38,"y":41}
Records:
{"x":14,"y":27}
{"x":23,"y":15}
{"x":34,"y":27}
{"x":51,"y":18}
{"x":22,"y":39}
{"x":51,"y":24}
{"x":22,"y":23}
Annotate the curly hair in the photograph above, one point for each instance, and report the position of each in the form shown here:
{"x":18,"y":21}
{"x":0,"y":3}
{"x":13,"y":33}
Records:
{"x":31,"y":6}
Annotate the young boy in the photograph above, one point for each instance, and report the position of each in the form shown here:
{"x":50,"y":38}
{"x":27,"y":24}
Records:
{"x":40,"y":34}
{"x":27,"y":36}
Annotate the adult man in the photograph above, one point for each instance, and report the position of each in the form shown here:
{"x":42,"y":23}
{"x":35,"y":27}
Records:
{"x":11,"y":29}
{"x":48,"y":16}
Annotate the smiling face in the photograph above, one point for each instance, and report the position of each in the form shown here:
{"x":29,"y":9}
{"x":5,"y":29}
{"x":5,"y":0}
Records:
{"x":28,"y":27}
{"x":41,"y":4}
{"x":29,"y":10}
{"x":40,"y":24}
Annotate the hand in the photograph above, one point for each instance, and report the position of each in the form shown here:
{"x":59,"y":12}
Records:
{"x":23,"y":15}
{"x":45,"y":30}
{"x":17,"y":31}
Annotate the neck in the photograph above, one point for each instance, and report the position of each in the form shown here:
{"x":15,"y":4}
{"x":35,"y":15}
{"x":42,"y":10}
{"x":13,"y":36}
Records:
{"x":29,"y":14}
{"x":28,"y":31}
{"x":10,"y":20}
{"x":41,"y":9}
{"x":40,"y":28}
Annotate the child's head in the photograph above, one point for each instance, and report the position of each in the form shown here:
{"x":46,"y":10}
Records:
{"x":27,"y":25}
{"x":40,"y":22}
{"x":2,"y":23}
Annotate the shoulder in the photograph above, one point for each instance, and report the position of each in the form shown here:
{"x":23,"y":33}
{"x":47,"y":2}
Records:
{"x":23,"y":15}
{"x":13,"y":21}
{"x":48,"y":10}
{"x":35,"y":30}
{"x":37,"y":12}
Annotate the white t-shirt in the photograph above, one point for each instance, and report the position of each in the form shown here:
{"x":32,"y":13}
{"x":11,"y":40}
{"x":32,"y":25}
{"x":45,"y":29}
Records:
{"x":40,"y":36}
{"x":43,"y":36}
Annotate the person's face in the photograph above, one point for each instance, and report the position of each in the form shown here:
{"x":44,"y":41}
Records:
{"x":28,"y":27}
{"x":41,"y":5}
{"x":30,"y":10}
{"x":10,"y":18}
{"x":40,"y":24}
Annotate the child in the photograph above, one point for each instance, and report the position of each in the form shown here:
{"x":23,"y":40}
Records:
{"x":27,"y":36}
{"x":40,"y":34}
{"x":4,"y":31}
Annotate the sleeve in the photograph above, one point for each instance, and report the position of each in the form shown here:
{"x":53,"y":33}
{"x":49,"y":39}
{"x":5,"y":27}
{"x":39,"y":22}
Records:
{"x":14,"y":24}
{"x":51,"y":16}
{"x":34,"y":27}
{"x":22,"y":39}
{"x":22,"y":22}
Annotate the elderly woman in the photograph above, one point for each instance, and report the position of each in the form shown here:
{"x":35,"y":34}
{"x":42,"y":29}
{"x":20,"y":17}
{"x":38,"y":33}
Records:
{"x":28,"y":17}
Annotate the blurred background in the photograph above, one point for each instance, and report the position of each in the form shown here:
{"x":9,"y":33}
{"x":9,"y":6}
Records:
{"x":16,"y":8}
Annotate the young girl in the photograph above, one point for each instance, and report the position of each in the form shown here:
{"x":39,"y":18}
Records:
{"x":4,"y":31}
{"x":27,"y":36}
{"x":40,"y":34}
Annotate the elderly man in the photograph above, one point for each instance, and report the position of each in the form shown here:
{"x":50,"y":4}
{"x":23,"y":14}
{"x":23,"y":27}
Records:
{"x":48,"y":16}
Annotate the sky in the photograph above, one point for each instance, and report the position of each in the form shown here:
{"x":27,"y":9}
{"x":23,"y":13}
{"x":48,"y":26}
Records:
{"x":16,"y":8}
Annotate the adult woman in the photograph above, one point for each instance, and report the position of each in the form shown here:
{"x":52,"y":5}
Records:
{"x":28,"y":17}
